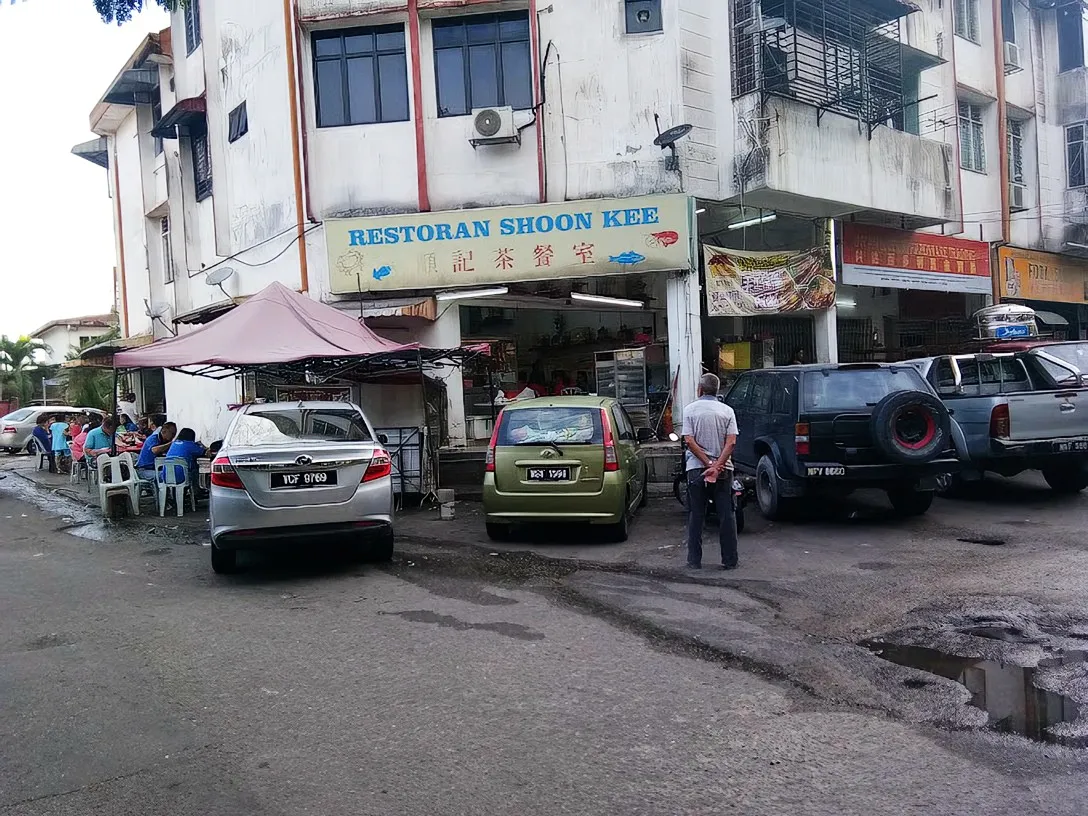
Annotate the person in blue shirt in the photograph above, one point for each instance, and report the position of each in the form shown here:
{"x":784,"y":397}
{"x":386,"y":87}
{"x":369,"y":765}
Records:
{"x":57,"y":431}
{"x":127,"y":424}
{"x":156,"y":444}
{"x":184,"y":447}
{"x":45,"y":440}
{"x":100,"y":440}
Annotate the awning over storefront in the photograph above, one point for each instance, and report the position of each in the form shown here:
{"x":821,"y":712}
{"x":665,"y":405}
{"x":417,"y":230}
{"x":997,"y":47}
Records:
{"x":191,"y":112}
{"x":101,"y":355}
{"x":421,"y":308}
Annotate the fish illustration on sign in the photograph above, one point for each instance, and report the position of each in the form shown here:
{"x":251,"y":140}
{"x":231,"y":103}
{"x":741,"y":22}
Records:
{"x":662,"y":239}
{"x":382,"y":272}
{"x":628,"y":258}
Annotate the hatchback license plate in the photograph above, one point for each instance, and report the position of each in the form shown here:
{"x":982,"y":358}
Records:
{"x":826,"y":470}
{"x":560,"y":474}
{"x":296,"y":481}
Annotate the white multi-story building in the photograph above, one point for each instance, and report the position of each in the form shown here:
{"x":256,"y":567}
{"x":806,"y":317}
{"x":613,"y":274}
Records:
{"x":65,"y":335}
{"x":326,"y":148}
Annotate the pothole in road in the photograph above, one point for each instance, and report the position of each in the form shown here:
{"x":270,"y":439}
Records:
{"x":986,"y":542}
{"x":1010,"y":694}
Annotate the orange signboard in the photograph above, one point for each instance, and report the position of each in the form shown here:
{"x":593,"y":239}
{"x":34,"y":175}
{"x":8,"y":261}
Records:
{"x":1028,"y":275}
{"x":897,"y":259}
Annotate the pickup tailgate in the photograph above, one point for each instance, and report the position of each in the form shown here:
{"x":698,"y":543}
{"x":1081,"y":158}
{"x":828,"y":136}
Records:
{"x":1048,"y":414}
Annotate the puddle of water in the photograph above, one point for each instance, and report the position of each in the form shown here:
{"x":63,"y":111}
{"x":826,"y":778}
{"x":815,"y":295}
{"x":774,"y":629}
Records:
{"x":1004,"y":691}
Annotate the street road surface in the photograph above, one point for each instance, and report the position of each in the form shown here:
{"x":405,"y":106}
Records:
{"x":134,"y":681}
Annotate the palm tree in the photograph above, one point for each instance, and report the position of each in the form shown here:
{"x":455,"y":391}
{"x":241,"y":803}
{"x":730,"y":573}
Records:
{"x":17,"y":364}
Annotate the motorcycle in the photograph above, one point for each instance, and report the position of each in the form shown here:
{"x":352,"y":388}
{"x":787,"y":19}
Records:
{"x":738,"y":492}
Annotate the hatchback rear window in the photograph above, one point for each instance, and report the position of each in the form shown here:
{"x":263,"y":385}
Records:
{"x":259,"y":428}
{"x":18,"y":416}
{"x":537,"y":426}
{"x":854,"y":389}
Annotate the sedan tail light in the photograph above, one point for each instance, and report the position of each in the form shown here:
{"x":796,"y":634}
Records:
{"x":380,"y":466}
{"x":9,"y":429}
{"x":224,"y":474}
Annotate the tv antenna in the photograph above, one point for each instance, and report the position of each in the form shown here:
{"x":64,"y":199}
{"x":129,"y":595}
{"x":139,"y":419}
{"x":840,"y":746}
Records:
{"x":157,"y":311}
{"x":217,"y":277}
{"x":670,"y":137}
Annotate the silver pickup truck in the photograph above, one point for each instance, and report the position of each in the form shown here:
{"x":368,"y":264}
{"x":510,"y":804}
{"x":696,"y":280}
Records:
{"x":1019,"y":411}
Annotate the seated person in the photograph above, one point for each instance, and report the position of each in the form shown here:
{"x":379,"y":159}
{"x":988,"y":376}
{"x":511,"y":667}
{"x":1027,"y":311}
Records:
{"x":79,"y":441}
{"x":127,"y":425}
{"x":143,"y":426}
{"x":45,"y":440}
{"x":185,"y":447}
{"x":99,"y":441}
{"x":156,"y":444}
{"x":75,"y":425}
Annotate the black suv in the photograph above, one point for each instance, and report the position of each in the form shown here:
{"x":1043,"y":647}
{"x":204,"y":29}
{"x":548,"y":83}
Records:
{"x":819,"y":430}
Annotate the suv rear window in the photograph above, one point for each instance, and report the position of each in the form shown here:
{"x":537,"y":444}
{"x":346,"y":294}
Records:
{"x":17,"y":416}
{"x":855,"y":389}
{"x":259,"y":428}
{"x":536,"y":426}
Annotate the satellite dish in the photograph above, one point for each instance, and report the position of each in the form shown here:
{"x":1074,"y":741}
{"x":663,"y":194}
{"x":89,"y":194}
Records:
{"x":671,"y":136}
{"x":156,"y":310}
{"x":217,"y":276}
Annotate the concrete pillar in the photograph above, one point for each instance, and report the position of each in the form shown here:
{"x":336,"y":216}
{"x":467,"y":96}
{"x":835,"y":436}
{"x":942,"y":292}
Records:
{"x":685,"y":336}
{"x":445,"y":333}
{"x":826,"y":325}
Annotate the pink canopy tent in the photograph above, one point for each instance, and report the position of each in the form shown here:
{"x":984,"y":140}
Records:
{"x":274,"y":327}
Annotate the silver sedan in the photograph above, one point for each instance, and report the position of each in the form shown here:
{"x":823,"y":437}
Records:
{"x":301,"y":470}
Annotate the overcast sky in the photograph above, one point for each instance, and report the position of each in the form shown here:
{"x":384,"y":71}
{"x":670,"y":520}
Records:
{"x":56,"y":224}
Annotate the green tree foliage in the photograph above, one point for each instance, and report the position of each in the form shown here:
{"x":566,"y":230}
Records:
{"x":18,"y":370}
{"x":121,"y":11}
{"x":90,"y":387}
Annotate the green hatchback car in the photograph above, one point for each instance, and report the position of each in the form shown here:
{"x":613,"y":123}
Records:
{"x":565,"y":459}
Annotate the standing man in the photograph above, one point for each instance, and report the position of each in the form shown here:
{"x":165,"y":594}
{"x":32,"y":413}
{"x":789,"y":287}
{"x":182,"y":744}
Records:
{"x":127,"y":405}
{"x":710,"y":434}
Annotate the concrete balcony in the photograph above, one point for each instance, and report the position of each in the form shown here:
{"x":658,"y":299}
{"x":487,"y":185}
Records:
{"x":785,"y":161}
{"x":1071,"y":99}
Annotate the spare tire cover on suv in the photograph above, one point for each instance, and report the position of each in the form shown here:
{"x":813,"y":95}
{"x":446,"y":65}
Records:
{"x":910,"y":426}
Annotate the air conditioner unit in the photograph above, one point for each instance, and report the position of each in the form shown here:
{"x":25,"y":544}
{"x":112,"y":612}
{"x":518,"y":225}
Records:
{"x":1012,"y":57}
{"x":1017,"y":197}
{"x":493,"y":126}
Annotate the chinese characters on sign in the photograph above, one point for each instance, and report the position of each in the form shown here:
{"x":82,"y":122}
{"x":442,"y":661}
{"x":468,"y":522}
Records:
{"x":533,"y":242}
{"x":896,"y":259}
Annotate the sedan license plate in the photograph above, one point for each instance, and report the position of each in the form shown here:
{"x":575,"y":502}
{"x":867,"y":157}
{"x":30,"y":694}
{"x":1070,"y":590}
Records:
{"x":297,"y":481}
{"x":1078,"y":445}
{"x":825,"y":470}
{"x":549,"y":474}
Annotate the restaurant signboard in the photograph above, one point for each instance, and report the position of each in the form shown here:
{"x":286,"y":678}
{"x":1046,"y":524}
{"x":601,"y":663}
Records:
{"x":458,"y":248}
{"x":898,"y":259}
{"x":1028,"y":275}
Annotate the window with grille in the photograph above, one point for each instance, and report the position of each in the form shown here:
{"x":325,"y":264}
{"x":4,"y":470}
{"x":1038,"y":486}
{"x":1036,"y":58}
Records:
{"x":1075,"y":154}
{"x":360,"y":76}
{"x":167,"y":251}
{"x":972,"y":142}
{"x":966,"y":20}
{"x":192,"y":25}
{"x":202,"y":164}
{"x":482,"y":61}
{"x":1016,"y":151}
